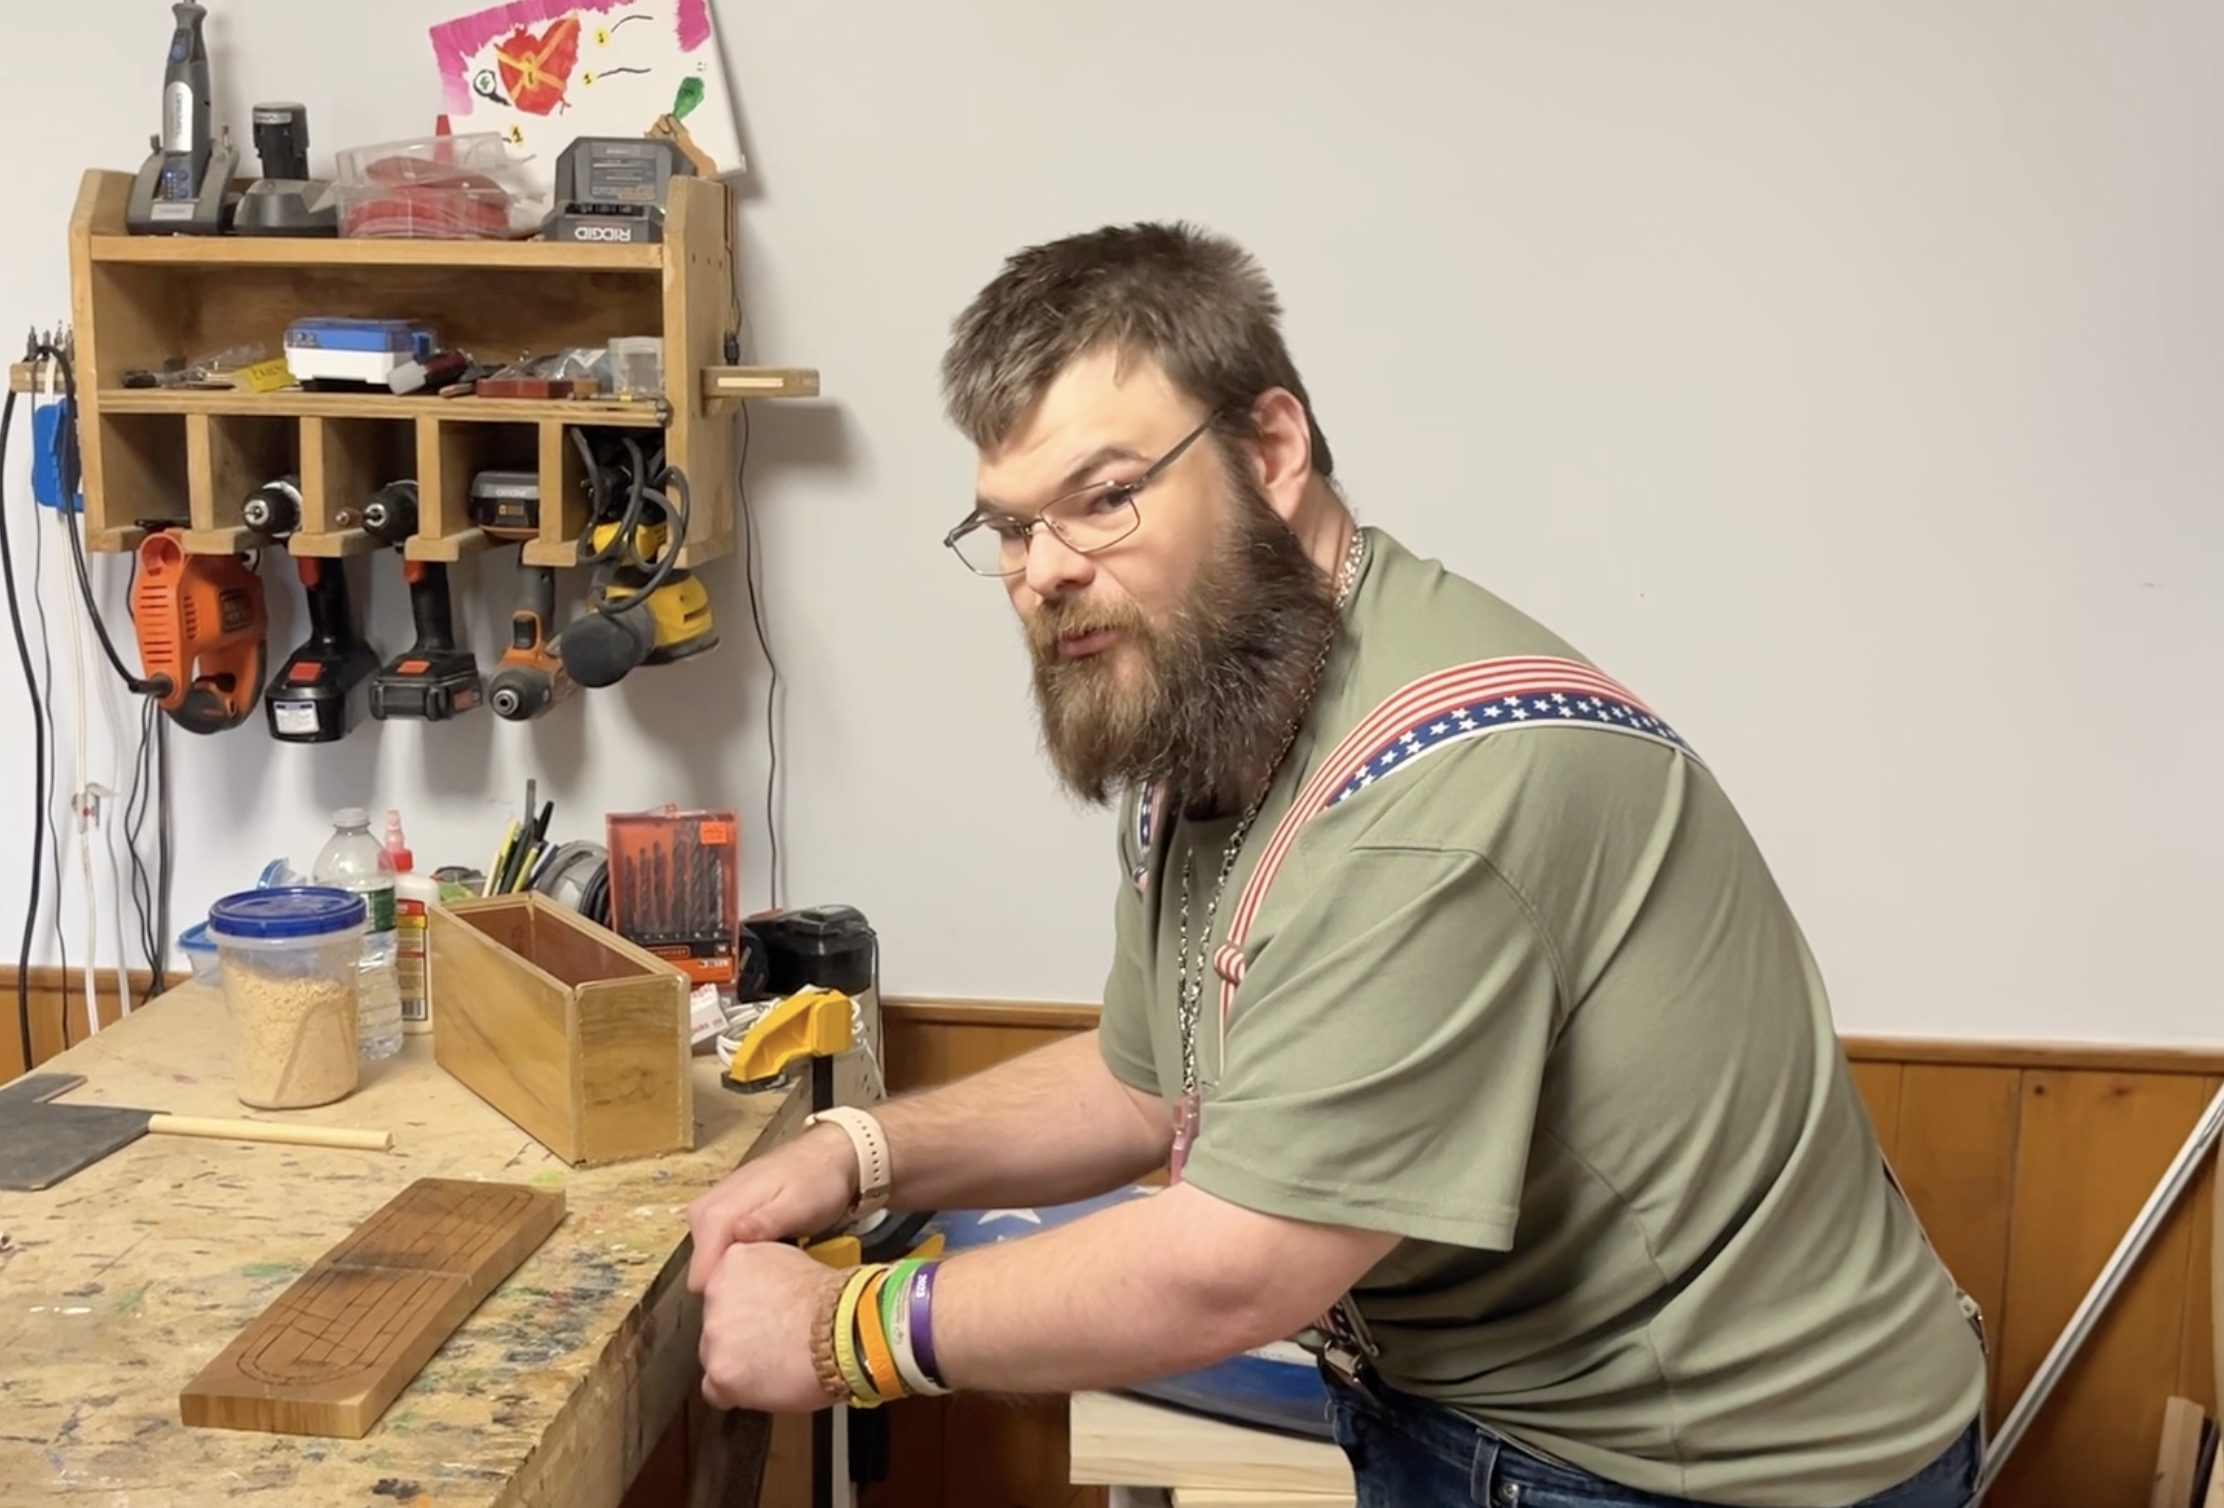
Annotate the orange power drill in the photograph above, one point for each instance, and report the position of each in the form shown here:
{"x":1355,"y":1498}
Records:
{"x":530,"y":678}
{"x":201,"y":625}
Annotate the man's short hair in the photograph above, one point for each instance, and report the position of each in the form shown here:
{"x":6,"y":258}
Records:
{"x":1196,"y":303}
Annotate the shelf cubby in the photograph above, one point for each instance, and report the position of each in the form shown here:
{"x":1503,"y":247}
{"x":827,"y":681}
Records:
{"x":228,"y":456}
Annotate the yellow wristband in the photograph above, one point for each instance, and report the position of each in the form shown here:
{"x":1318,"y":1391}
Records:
{"x":845,"y":1342}
{"x":872,"y":1330}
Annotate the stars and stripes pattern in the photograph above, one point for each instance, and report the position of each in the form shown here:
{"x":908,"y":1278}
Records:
{"x":1150,"y":806}
{"x":1458,"y":703}
{"x":1539,"y":706}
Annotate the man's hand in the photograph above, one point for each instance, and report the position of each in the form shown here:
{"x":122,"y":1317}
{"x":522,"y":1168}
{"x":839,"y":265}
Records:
{"x":794,"y":1192}
{"x":758,"y":1312}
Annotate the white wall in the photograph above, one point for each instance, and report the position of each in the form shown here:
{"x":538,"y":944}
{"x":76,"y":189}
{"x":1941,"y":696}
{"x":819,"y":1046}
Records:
{"x":1844,"y":377}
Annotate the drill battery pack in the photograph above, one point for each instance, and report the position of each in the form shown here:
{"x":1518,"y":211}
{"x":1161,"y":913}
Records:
{"x":427,"y":686}
{"x":507,"y":504}
{"x":432,"y":680}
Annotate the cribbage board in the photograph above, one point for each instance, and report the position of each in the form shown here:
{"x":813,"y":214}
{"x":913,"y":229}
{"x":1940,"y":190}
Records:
{"x":338,"y":1346}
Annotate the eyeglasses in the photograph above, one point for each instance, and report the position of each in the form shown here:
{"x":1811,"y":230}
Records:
{"x":1085,"y":522}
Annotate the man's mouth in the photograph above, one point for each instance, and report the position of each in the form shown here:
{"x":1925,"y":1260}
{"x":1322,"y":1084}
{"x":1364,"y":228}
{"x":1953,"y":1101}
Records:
{"x":1081,"y":644}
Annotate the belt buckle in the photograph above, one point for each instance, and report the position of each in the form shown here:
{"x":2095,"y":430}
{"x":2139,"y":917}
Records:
{"x":1345,"y":1365}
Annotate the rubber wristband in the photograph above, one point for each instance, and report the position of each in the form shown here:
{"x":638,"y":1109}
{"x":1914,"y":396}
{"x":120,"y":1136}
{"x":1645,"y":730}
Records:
{"x":846,"y":1357}
{"x":921,"y":1306}
{"x":845,"y":1340}
{"x":895,"y":1313}
{"x":892,"y":1292}
{"x":899,"y":1341}
{"x":880,"y":1363}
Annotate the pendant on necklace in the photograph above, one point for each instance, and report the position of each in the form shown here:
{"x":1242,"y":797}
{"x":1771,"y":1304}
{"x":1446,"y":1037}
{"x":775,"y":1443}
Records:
{"x":1188,"y":1110}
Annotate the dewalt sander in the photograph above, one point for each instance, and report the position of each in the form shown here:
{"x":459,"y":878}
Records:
{"x":202,"y":623}
{"x":642,"y":609}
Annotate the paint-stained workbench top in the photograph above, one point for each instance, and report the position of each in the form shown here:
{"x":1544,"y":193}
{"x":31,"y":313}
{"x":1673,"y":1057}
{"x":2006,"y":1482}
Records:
{"x":117,"y":1285}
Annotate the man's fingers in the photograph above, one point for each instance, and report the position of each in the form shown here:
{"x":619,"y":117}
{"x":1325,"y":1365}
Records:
{"x":717,"y":1229}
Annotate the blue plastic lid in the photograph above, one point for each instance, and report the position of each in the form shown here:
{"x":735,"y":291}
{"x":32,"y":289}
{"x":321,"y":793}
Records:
{"x":196,"y":939}
{"x":290,"y":912}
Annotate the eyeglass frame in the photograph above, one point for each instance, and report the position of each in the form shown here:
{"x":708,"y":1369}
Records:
{"x":979,"y":517}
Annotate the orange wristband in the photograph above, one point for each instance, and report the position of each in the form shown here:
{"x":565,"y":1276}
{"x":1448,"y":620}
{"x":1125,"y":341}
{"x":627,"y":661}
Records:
{"x":872,"y":1333}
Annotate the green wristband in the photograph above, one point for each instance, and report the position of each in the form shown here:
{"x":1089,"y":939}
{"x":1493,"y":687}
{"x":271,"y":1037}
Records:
{"x":892,"y":1292}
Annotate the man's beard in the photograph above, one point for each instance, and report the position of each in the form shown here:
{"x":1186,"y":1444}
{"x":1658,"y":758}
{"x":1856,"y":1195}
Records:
{"x":1210,"y":695}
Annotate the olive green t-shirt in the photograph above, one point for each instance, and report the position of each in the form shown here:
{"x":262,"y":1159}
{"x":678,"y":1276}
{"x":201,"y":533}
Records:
{"x":1500,"y":970}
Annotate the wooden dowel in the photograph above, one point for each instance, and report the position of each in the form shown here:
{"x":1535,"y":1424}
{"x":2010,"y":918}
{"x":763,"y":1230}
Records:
{"x":343,"y":1137}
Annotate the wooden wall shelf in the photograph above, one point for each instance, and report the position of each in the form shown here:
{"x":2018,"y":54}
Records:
{"x":282,"y":251}
{"x":188,"y":458}
{"x":594,"y":413}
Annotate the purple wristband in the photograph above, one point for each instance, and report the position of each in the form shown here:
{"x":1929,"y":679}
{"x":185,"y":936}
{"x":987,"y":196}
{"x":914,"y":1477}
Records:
{"x":921,"y":1300}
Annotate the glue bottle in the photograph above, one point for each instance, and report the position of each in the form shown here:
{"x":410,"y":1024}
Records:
{"x":414,"y":894}
{"x":354,"y":860}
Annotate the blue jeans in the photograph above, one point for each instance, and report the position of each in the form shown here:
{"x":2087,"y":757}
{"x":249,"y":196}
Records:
{"x":1408,"y":1453}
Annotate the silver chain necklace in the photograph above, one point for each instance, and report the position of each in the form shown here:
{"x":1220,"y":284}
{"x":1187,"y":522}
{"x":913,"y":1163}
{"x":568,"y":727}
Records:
{"x":1190,"y":978}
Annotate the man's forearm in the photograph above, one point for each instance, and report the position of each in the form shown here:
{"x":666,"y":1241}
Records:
{"x":1142,"y":1290}
{"x":1049,"y":1127}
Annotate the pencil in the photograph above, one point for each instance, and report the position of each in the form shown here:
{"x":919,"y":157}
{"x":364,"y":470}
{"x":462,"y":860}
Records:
{"x":501,"y":862}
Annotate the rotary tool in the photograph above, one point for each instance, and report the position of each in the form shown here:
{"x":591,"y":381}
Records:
{"x":185,"y":185}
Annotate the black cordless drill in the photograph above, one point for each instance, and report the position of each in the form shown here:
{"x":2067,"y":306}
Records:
{"x":432,"y":680}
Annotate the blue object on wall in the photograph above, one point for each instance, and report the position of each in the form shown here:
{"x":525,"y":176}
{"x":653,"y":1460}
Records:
{"x":47,"y":432}
{"x":1277,"y":1387}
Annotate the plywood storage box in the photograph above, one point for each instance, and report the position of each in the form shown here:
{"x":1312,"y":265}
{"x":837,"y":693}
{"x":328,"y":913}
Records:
{"x":572,"y":1032}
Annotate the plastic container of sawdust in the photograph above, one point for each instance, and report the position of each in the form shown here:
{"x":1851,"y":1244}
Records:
{"x":289,"y":959}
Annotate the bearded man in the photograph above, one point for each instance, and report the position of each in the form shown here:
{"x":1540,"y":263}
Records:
{"x":1483,"y":1051}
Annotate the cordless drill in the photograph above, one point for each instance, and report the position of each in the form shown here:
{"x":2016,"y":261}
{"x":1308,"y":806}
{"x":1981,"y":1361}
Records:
{"x":273,"y":510}
{"x":530,"y":678}
{"x":433,"y":679}
{"x":317,"y":696}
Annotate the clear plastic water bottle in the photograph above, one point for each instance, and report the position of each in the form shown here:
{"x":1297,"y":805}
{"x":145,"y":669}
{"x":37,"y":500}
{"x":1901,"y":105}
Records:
{"x":354,"y":860}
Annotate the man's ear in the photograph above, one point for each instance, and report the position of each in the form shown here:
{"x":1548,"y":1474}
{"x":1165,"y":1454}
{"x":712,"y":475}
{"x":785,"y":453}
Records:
{"x":1282,"y":457}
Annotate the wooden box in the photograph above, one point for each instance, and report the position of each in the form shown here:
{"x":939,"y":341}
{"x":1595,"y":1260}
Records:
{"x":572,"y":1032}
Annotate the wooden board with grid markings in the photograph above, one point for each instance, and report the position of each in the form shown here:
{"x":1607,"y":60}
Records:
{"x":340,"y":1344}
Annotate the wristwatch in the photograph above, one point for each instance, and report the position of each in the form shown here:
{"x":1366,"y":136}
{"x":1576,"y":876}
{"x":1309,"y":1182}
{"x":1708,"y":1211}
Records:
{"x":874,"y":1173}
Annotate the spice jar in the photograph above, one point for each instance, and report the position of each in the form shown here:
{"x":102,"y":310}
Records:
{"x":289,"y":959}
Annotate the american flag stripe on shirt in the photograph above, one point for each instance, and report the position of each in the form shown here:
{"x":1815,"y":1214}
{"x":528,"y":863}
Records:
{"x":1451,"y":687}
{"x":1150,"y":806}
{"x":1462,"y":702}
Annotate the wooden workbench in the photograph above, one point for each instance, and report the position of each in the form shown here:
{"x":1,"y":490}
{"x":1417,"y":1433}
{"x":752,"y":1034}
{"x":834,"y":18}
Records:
{"x":116,"y":1286}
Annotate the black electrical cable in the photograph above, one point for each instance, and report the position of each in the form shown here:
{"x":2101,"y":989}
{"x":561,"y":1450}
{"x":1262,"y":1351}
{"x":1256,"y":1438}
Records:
{"x":772,"y":688}
{"x":651,"y":484}
{"x":158,"y":956}
{"x":135,"y":808}
{"x":676,"y":522}
{"x":150,"y":896}
{"x":50,"y":771}
{"x":38,"y":746}
{"x":67,"y":466}
{"x":627,"y":540}
{"x":135,"y":817}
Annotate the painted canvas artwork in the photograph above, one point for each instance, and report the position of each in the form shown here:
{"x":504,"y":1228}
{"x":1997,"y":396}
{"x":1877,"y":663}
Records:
{"x":543,"y":72}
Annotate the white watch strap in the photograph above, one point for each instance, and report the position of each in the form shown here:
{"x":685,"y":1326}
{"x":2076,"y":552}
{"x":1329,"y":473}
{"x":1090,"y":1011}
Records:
{"x":874,"y":1171}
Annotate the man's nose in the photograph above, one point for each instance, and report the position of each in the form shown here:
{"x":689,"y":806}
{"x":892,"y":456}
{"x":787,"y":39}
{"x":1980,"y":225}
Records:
{"x":1054,"y":567}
